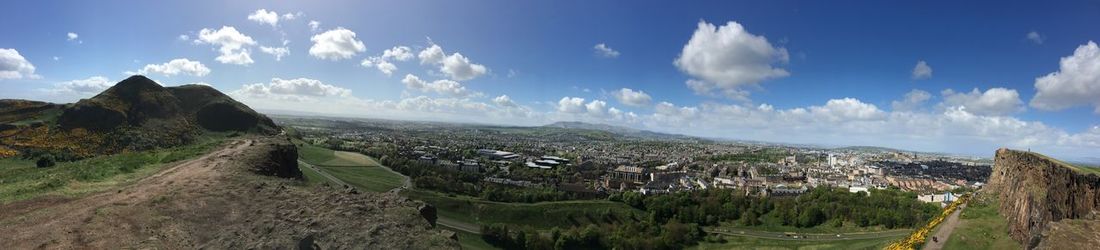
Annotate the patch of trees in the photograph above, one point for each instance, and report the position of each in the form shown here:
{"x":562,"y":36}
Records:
{"x":627,"y":235}
{"x":501,"y":193}
{"x":432,"y":177}
{"x":889,"y":208}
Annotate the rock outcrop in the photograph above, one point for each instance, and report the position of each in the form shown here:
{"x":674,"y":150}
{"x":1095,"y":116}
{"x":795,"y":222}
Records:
{"x":1035,"y":191}
{"x":278,"y":157}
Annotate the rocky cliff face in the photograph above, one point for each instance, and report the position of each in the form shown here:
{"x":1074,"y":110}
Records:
{"x":1035,"y":191}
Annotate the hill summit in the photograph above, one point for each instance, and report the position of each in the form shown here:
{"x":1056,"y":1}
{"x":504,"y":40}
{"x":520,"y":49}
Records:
{"x":134,"y":114}
{"x":140,"y":102}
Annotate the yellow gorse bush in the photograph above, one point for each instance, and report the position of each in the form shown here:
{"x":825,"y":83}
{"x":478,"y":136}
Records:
{"x":918,"y":237}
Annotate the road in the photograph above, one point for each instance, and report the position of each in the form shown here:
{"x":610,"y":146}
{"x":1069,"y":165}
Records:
{"x":808,"y":236}
{"x":945,"y":229}
{"x":407,"y":183}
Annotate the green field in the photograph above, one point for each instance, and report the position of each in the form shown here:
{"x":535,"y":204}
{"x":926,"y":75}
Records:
{"x":374,"y":179}
{"x":737,"y":242}
{"x":312,"y":177}
{"x":21,"y":180}
{"x":541,"y":215}
{"x":354,"y":168}
{"x":981,"y":227}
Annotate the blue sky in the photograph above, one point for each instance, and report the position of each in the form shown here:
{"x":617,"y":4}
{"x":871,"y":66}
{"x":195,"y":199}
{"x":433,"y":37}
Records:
{"x":833,"y":73}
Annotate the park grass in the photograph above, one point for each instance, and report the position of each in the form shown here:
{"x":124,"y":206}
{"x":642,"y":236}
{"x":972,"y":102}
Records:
{"x":312,"y":177}
{"x":353,"y":168}
{"x":541,"y":215}
{"x":21,"y":180}
{"x":319,"y":156}
{"x":981,"y":226}
{"x":373,"y":179}
{"x":744,"y":242}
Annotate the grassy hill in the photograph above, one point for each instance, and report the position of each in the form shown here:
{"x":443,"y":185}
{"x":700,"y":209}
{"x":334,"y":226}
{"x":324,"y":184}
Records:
{"x":21,"y":180}
{"x":133,"y":115}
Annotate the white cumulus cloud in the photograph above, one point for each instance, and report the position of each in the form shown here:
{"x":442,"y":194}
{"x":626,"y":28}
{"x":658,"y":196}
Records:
{"x":1077,"y":81}
{"x":922,"y":71}
{"x":604,"y":51}
{"x":314,"y":25}
{"x":994,"y":101}
{"x":632,"y":97}
{"x":444,"y":86}
{"x":72,"y":37}
{"x":91,"y":85}
{"x":912,"y":100}
{"x":380,"y":63}
{"x":728,"y":57}
{"x":847,"y":109}
{"x":1035,"y":37}
{"x":175,"y":67}
{"x":456,"y":66}
{"x":232,"y":45}
{"x":14,"y":66}
{"x":504,"y":101}
{"x":399,"y":53}
{"x":278,"y":52}
{"x":265,"y":17}
{"x":572,"y":105}
{"x":336,"y":44}
{"x":299,"y":89}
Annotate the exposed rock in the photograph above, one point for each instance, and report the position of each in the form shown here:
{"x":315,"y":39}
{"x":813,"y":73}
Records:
{"x":280,"y":159}
{"x":1035,"y":190}
{"x":428,"y":212}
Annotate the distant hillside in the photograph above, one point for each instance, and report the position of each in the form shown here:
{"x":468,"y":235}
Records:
{"x":134,"y":114}
{"x":619,"y":130}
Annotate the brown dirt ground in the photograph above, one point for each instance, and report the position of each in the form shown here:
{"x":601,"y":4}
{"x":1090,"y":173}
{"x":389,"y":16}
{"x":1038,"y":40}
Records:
{"x":214,"y":202}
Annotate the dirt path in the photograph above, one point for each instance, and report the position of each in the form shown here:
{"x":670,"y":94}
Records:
{"x":945,"y":229}
{"x":72,"y":224}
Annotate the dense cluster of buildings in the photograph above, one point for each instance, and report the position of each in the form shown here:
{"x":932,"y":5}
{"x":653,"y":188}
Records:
{"x":582,"y":163}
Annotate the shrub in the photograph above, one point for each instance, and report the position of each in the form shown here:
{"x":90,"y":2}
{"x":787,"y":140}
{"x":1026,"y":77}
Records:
{"x":45,"y":161}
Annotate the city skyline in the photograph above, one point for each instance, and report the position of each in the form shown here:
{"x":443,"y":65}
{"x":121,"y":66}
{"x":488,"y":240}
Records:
{"x":976,"y":79}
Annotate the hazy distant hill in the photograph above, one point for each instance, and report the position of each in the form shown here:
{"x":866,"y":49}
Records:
{"x":619,"y":130}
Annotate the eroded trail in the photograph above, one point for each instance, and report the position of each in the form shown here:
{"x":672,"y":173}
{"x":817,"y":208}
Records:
{"x":86,"y":222}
